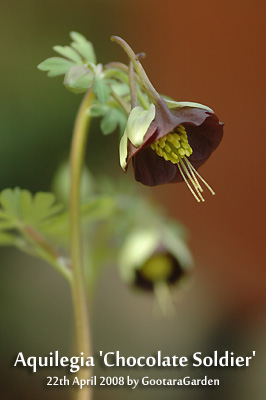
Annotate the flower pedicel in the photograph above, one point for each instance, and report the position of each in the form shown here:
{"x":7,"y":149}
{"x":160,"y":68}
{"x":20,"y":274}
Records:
{"x":170,"y":140}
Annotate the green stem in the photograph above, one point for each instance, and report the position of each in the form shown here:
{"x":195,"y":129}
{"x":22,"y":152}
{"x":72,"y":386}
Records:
{"x":78,"y":283}
{"x":132,"y":86}
{"x":120,"y":101}
{"x":117,"y":70}
{"x":146,"y":83}
{"x":120,"y":71}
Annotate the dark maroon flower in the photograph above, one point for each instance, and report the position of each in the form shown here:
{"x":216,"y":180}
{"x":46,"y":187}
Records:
{"x":203,"y":131}
{"x":169,"y":140}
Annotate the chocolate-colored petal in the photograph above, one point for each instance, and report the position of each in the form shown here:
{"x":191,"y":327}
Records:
{"x":166,"y":120}
{"x":152,"y":170}
{"x":205,"y":138}
{"x":204,"y":133}
{"x":194,"y":116}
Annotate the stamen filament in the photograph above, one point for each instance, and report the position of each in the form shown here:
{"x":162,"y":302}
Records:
{"x":192,"y":173}
{"x":191,"y":179}
{"x":188,"y":185}
{"x":175,"y":147}
{"x":205,"y":183}
{"x":162,"y":292}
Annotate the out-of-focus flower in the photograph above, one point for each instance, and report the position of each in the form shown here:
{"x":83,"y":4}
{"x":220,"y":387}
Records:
{"x":150,"y":258}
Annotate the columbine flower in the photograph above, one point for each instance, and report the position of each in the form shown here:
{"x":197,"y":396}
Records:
{"x":156,"y":260}
{"x":175,"y":144}
{"x":170,"y":140}
{"x":149,"y":257}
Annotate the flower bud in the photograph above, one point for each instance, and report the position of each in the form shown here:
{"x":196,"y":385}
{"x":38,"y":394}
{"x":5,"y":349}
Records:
{"x":78,"y":79}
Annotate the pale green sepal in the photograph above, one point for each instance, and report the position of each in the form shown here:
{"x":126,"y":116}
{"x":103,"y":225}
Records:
{"x":139,"y":246}
{"x":138,"y":123}
{"x":123,"y":151}
{"x":55,"y":66}
{"x":78,"y":79}
{"x":83,"y":46}
{"x":68,"y":52}
{"x":175,"y":104}
{"x":175,"y":243}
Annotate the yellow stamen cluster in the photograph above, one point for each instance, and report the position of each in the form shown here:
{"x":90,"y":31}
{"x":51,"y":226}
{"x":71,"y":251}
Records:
{"x":174,"y":147}
{"x":157,"y":268}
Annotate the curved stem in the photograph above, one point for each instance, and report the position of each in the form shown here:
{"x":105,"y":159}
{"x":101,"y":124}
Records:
{"x":132,"y":86}
{"x":120,"y":71}
{"x":78,"y":283}
{"x":120,"y":101}
{"x":146,"y":83}
{"x":117,"y":70}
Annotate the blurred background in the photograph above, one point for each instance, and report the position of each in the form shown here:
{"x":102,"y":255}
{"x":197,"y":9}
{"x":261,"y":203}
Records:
{"x":209,"y":52}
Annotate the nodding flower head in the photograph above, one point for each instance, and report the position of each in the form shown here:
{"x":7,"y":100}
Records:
{"x":149,"y":258}
{"x":172,"y":152}
{"x":156,"y":261}
{"x":169,"y":140}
